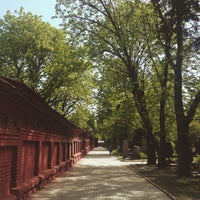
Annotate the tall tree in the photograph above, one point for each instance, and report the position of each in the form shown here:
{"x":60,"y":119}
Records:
{"x":159,"y":78}
{"x":27,"y":46}
{"x":179,"y":18}
{"x":115,"y":27}
{"x":38,"y":54}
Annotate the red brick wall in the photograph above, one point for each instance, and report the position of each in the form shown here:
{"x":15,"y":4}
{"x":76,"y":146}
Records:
{"x":7,"y":169}
{"x":28,"y":160}
{"x":63,"y":151}
{"x":31,"y":139}
{"x":46,"y":155}
{"x":55,"y":153}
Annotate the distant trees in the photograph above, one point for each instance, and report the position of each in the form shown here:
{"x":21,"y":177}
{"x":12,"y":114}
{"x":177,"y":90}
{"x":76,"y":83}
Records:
{"x":115,"y":105}
{"x":113,"y":30}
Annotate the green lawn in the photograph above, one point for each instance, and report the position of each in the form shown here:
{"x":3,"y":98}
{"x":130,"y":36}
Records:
{"x":185,"y":188}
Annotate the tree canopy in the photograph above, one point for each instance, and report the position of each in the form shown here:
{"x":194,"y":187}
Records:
{"x":153,"y":43}
{"x":116,"y":67}
{"x":39,"y":55}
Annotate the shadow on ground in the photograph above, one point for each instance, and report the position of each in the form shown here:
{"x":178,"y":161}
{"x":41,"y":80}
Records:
{"x":99,"y":176}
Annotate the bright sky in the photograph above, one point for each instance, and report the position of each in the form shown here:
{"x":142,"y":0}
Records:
{"x":44,"y":8}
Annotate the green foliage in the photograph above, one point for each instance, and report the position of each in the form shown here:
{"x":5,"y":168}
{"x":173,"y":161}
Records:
{"x":196,"y":159}
{"x":137,"y":61}
{"x":27,"y":45}
{"x":178,"y":29}
{"x":116,"y":152}
{"x":194,"y":131}
{"x":116,"y":109}
{"x":143,"y":155}
{"x":122,"y":40}
{"x":39,"y":55}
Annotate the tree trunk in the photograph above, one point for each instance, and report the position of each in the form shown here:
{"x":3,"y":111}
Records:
{"x":184,"y":151}
{"x":151,"y":155}
{"x":161,"y":149}
{"x":183,"y":144}
{"x":140,"y":102}
{"x":143,"y":112}
{"x":162,"y":164}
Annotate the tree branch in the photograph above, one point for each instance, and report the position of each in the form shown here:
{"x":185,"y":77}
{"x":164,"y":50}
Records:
{"x":193,"y":107}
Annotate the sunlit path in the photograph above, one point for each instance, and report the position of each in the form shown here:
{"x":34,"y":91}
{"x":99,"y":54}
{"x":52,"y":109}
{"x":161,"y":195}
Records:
{"x":100,"y":176}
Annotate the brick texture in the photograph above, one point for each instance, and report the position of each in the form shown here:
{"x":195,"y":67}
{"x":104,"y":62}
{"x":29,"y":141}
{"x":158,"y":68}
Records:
{"x":36,"y":143}
{"x":7,"y":170}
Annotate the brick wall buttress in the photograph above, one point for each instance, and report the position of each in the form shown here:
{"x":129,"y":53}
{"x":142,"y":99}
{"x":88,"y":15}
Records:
{"x":7,"y":169}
